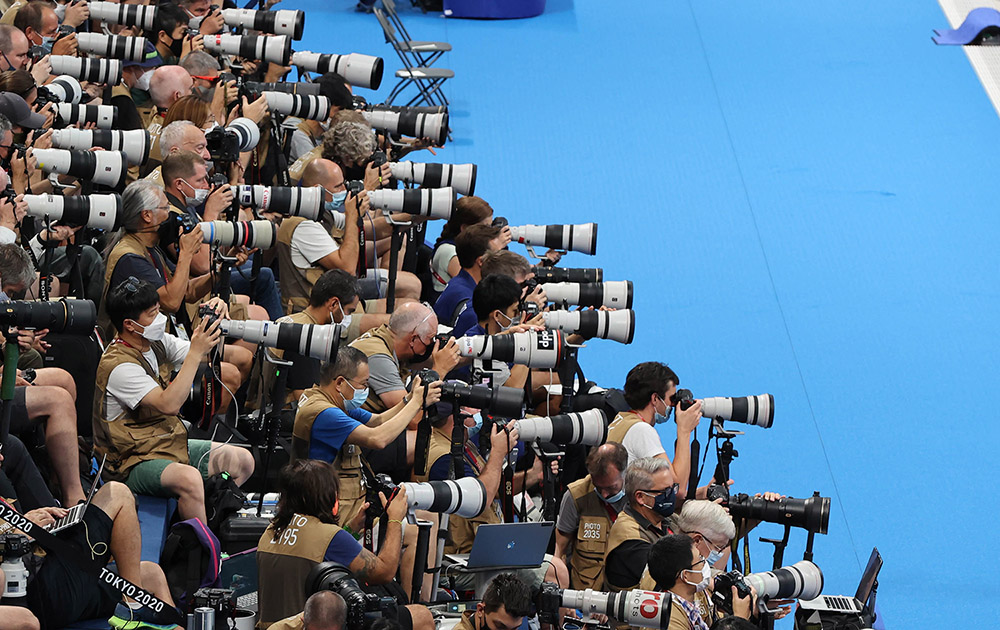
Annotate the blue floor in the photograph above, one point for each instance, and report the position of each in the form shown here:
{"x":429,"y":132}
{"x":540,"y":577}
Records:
{"x":802,"y":195}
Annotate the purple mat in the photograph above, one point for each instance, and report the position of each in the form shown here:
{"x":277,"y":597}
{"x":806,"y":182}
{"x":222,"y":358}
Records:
{"x":494,"y":9}
{"x":975,"y":23}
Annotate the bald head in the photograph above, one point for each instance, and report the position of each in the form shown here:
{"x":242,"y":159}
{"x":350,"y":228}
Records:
{"x":413,"y":317}
{"x":325,"y":173}
{"x":168,"y":84}
{"x":324,"y":610}
{"x":14,"y":46}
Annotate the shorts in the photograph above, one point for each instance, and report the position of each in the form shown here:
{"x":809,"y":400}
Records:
{"x":144,"y":478}
{"x":532,"y":576}
{"x":62,"y":594}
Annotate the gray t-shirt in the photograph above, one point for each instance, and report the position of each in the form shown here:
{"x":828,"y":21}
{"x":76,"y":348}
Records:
{"x":569,"y":518}
{"x":384,"y":374}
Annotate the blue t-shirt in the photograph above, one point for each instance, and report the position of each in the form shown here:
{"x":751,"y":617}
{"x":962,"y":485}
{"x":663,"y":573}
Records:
{"x":343,"y":549}
{"x":330,"y":431}
{"x":459,"y":288}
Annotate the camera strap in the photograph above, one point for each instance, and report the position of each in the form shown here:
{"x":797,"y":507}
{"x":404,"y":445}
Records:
{"x":63,"y":549}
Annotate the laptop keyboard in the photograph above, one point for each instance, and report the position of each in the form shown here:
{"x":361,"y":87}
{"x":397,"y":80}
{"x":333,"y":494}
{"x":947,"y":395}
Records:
{"x":73,"y":516}
{"x":248,"y":601}
{"x":839,"y":603}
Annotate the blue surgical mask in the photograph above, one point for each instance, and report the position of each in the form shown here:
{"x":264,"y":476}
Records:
{"x":661,"y":418}
{"x":473,"y":431}
{"x":338,"y":201}
{"x":663,"y":503}
{"x":47,"y":44}
{"x":357,"y":400}
{"x":713,"y":557}
{"x":615,"y":498}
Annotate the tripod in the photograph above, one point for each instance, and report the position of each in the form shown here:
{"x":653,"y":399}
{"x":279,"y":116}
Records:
{"x":270,"y":421}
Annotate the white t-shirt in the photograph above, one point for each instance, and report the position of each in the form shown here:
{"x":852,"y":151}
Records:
{"x":642,"y":440}
{"x":310,"y":243}
{"x":129,"y":383}
{"x":439,"y":265}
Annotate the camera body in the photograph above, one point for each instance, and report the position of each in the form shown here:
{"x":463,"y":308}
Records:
{"x":722,"y":594}
{"x":13,"y":548}
{"x":378,"y":158}
{"x":205,"y":311}
{"x":223,"y":145}
{"x":682,"y":397}
{"x":221,"y":600}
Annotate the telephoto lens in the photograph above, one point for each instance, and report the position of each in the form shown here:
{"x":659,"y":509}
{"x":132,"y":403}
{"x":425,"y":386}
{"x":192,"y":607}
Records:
{"x":756,"y":410}
{"x":465,"y":497}
{"x":135,"y":143}
{"x":812,"y":514}
{"x":73,"y":317}
{"x":105,"y":71}
{"x":106,"y":168}
{"x":319,"y":341}
{"x":461,"y":177}
{"x":505,"y":402}
{"x":299,"y":105}
{"x":362,"y":71}
{"x":283,"y":22}
{"x":545,"y":274}
{"x":433,"y":203}
{"x":589,"y":428}
{"x":276,"y":49}
{"x":615,"y":294}
{"x":614,"y":325}
{"x":124,"y":14}
{"x":415,"y":125}
{"x":637,"y":608}
{"x":113,"y":46}
{"x":63,"y":89}
{"x":361,"y":104}
{"x":290,"y":87}
{"x":571,"y":238}
{"x":103,"y":116}
{"x":97,"y":211}
{"x":536,"y":349}
{"x":249,"y":234}
{"x":289,"y":201}
{"x":802,"y":580}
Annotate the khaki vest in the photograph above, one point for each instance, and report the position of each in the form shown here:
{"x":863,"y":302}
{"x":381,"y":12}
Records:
{"x":591,"y":535}
{"x":130,"y":244}
{"x":137,"y":435}
{"x":284,"y":564}
{"x":620,"y":426}
{"x":348,"y":461}
{"x":625,"y":528}
{"x":462,"y":531}
{"x":378,"y":341}
{"x":296,"y":284}
{"x":295,"y":168}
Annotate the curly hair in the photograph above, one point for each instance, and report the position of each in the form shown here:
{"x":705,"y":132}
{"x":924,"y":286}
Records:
{"x":348,"y":143}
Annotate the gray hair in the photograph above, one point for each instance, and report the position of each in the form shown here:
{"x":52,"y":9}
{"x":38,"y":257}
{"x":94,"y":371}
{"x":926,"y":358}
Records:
{"x":5,"y":125}
{"x":142,"y":194}
{"x":639,"y":475}
{"x":199,"y":63}
{"x":348,"y":143}
{"x":413,"y":317}
{"x":325,"y":610}
{"x":16,"y":268}
{"x":707,"y":518}
{"x":172,"y":136}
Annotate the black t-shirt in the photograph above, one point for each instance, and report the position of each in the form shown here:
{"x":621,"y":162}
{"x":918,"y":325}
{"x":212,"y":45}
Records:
{"x":141,"y":268}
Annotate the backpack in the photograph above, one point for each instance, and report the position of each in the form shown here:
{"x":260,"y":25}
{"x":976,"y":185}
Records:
{"x":190,"y":560}
{"x":223,"y":498}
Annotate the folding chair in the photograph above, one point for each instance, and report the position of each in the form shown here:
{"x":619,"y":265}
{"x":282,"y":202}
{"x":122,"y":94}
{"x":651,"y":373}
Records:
{"x":428,"y":81}
{"x":425,"y":53}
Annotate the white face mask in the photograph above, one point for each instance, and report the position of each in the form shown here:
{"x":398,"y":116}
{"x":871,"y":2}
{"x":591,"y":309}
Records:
{"x":156,"y":330}
{"x":706,"y":577}
{"x":345,"y":318}
{"x":142,"y":83}
{"x":200,"y":195}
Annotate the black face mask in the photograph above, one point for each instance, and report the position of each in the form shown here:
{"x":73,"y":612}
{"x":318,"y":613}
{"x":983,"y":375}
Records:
{"x":176,"y":47}
{"x":420,"y":358}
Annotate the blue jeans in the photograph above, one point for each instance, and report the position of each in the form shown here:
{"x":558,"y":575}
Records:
{"x":266,"y":293}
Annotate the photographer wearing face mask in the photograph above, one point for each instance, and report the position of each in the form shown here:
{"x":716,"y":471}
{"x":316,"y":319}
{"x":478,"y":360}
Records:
{"x":648,"y":389}
{"x":589,"y":508}
{"x":308,"y":133}
{"x":505,"y":604}
{"x":40,"y":25}
{"x":136,"y":404}
{"x":330,"y":424}
{"x":131,"y":96}
{"x":651,"y":494}
{"x":676,"y":566}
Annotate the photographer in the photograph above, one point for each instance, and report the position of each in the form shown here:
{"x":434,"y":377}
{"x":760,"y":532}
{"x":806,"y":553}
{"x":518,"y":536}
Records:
{"x":648,"y":390}
{"x":14,"y":47}
{"x":444,"y":263}
{"x":38,"y":21}
{"x":452,"y":306}
{"x":167,"y":84}
{"x":304,"y":532}
{"x":131,"y":96}
{"x":170,"y":35}
{"x":330,"y":417}
{"x":352,"y":145}
{"x":505,"y":604}
{"x":589,"y":508}
{"x":651,"y":494}
{"x":676,"y":566}
{"x":308,"y":133}
{"x":507,"y":263}
{"x":136,"y":404}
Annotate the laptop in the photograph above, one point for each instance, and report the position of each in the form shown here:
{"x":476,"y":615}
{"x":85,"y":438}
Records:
{"x":843,"y":603}
{"x":506,"y":546}
{"x":75,"y":513}
{"x":239,"y":573}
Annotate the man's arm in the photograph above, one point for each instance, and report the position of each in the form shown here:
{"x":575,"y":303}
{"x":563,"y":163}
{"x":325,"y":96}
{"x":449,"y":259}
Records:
{"x":173,"y":294}
{"x":500,"y":444}
{"x":393,"y":422}
{"x":687,"y":421}
{"x":564,"y":546}
{"x":382,"y":568}
{"x":170,"y":400}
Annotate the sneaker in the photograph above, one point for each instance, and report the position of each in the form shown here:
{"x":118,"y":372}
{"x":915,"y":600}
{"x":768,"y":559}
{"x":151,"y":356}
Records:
{"x":126,"y":618}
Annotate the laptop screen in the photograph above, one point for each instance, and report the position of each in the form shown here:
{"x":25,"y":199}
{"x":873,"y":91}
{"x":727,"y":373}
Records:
{"x":239,"y":572}
{"x":869,"y":576}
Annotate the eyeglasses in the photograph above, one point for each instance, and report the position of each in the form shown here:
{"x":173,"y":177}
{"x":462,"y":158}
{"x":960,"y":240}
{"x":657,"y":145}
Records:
{"x":711,"y":545}
{"x":675,"y":488}
{"x":212,"y":80}
{"x":131,"y":284}
{"x":697,"y":565}
{"x":429,"y":315}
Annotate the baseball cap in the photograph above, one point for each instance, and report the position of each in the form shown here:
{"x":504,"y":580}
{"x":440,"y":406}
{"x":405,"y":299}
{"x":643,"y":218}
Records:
{"x":18,"y":112}
{"x":150,"y":58}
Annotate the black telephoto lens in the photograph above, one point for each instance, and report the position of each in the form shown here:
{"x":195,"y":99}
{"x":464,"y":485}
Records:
{"x":62,"y":316}
{"x":505,"y":402}
{"x":812,"y":514}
